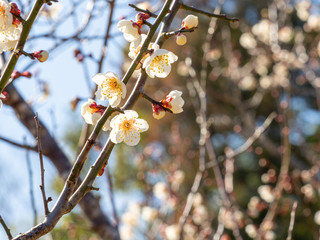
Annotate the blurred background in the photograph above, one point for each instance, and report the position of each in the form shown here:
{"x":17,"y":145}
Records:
{"x":240,"y":162}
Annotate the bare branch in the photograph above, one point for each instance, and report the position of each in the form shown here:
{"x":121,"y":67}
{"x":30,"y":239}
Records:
{"x":24,"y":146}
{"x":220,"y":16}
{"x":7,"y":230}
{"x":44,"y":198}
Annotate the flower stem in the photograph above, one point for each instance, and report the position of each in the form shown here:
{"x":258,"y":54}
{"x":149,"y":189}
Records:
{"x":155,"y":102}
{"x":142,"y":10}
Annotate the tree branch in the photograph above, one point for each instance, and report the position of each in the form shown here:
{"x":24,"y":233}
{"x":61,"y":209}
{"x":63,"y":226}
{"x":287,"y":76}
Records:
{"x":6,"y":229}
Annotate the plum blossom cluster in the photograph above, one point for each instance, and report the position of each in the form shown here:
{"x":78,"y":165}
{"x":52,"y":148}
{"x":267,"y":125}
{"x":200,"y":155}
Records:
{"x":10,"y":26}
{"x":189,"y":22}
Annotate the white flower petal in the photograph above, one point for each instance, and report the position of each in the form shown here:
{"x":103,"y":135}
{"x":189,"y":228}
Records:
{"x":116,"y":136}
{"x":131,"y":138}
{"x":142,"y":125}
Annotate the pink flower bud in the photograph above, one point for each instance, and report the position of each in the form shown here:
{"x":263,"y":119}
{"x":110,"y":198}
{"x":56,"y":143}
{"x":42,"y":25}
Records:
{"x":15,"y":74}
{"x":26,"y":74}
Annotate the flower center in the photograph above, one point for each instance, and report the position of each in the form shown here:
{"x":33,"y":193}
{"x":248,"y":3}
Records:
{"x":158,"y":63}
{"x":111,"y":87}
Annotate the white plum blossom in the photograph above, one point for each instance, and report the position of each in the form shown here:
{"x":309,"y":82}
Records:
{"x":91,"y":113}
{"x":131,"y":30}
{"x":9,"y":37}
{"x":159,"y":63}
{"x":190,"y":21}
{"x":126,"y":127}
{"x":175,"y":101}
{"x":110,"y":87}
{"x":136,"y":45}
{"x":6,"y":18}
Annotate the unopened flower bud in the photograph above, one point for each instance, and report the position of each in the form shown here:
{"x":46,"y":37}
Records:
{"x":26,"y":74}
{"x":190,"y":21}
{"x":15,"y":74}
{"x":181,"y":39}
{"x":41,"y":55}
{"x":158,"y":111}
{"x":74,"y":103}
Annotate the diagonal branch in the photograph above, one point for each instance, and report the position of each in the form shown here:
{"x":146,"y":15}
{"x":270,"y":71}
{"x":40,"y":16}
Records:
{"x":6,"y":229}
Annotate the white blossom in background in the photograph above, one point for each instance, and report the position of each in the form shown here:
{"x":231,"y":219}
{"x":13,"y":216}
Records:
{"x":52,"y":11}
{"x":317,"y":217}
{"x":172,"y":232}
{"x":251,"y":230}
{"x":159,"y":63}
{"x":131,"y":30}
{"x":91,"y":113}
{"x":177,"y":179}
{"x":200,"y":214}
{"x":265,"y":192}
{"x":6,"y":18}
{"x":149,"y":213}
{"x":9,"y":37}
{"x":136,"y":45}
{"x":126,"y":232}
{"x":247,"y":41}
{"x":197,"y":201}
{"x":110,"y":87}
{"x":126,"y":127}
{"x":161,"y":191}
{"x":190,"y":21}
{"x":130,"y":218}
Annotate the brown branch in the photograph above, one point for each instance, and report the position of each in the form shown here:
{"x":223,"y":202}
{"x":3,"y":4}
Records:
{"x":24,"y":146}
{"x":220,"y":16}
{"x":44,"y":198}
{"x":142,"y":10}
{"x":256,"y":135}
{"x":182,"y":30}
{"x":5,"y":227}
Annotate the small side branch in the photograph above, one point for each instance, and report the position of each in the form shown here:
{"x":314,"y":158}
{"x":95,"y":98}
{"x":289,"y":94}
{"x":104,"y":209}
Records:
{"x":24,"y":146}
{"x":4,"y":225}
{"x":142,"y":10}
{"x":221,"y":16}
{"x":174,"y":33}
{"x":45,"y":200}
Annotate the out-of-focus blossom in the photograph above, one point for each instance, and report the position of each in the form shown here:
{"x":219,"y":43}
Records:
{"x":126,"y":127}
{"x":181,"y":39}
{"x":198,"y":200}
{"x":262,"y":30}
{"x":199,"y":214}
{"x":265,"y":192}
{"x":285,"y":34}
{"x":177,"y":179}
{"x":251,"y":230}
{"x":190,"y":21}
{"x":248,"y":83}
{"x":302,"y":8}
{"x":126,"y":232}
{"x":247,"y":41}
{"x":144,"y":5}
{"x":308,"y":191}
{"x":110,"y":87}
{"x":52,"y":11}
{"x":172,"y":232}
{"x":149,"y":213}
{"x":159,"y":63}
{"x":6,"y":18}
{"x":317,"y":217}
{"x":131,"y":30}
{"x":130,"y":218}
{"x":161,"y":191}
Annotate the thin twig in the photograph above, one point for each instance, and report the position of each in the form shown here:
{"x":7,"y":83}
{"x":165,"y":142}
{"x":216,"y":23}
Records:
{"x":143,"y":10}
{"x":44,"y":198}
{"x":182,"y":30}
{"x":30,"y":173}
{"x":155,"y":102}
{"x":7,"y":230}
{"x":111,"y":196}
{"x":221,"y":16}
{"x":24,"y":146}
{"x":292,"y":217}
{"x":257,"y":133}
